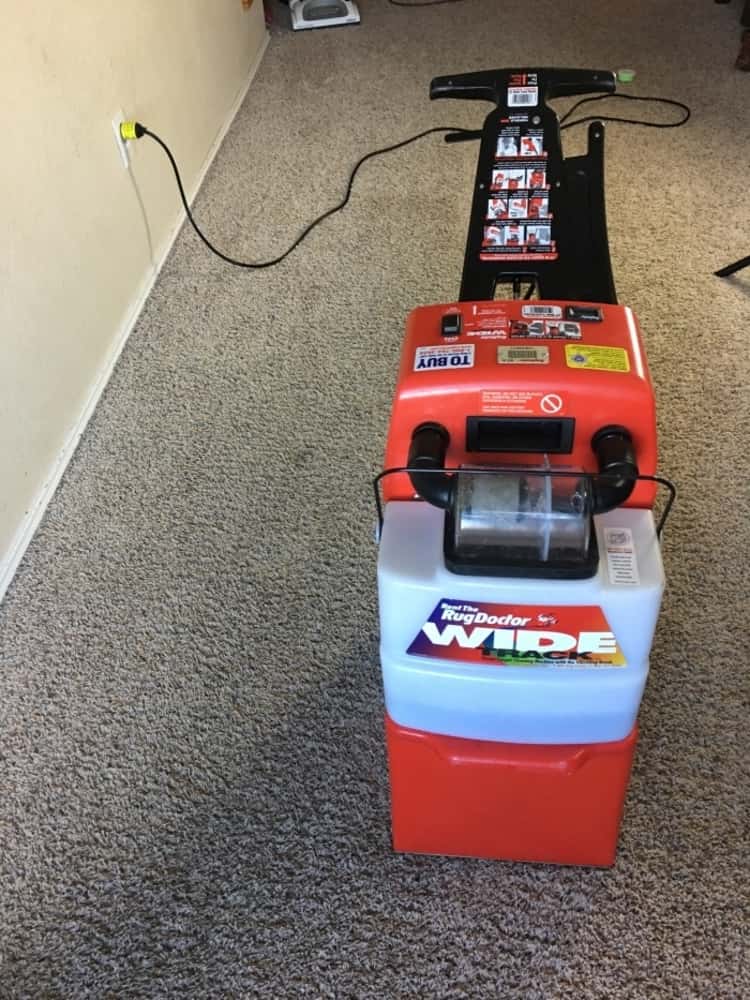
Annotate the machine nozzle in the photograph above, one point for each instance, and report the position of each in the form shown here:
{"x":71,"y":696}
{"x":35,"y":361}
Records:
{"x":613,"y":447}
{"x":429,"y":444}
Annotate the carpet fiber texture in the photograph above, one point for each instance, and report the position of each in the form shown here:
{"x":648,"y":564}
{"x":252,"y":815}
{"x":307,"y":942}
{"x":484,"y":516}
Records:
{"x":193,"y":788}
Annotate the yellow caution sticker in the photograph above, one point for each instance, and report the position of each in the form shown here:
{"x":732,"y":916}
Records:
{"x":598,"y":359}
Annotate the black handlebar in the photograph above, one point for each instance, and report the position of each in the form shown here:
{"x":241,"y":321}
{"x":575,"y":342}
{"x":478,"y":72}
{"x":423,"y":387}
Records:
{"x":572,"y":262}
{"x":492,"y":85}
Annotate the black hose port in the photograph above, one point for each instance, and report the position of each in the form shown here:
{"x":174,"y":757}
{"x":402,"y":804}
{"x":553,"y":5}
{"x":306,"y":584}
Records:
{"x":615,"y":455}
{"x":429,"y":445}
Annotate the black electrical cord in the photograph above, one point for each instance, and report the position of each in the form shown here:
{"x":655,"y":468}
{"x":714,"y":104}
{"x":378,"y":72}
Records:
{"x":464,"y":134}
{"x":308,"y":229}
{"x":135,"y":130}
{"x":564,"y":123}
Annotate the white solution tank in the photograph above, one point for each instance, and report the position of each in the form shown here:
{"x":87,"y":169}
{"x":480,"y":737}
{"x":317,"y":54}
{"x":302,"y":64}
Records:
{"x":514,"y":658}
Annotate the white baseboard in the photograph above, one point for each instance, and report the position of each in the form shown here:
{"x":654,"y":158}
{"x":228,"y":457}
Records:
{"x":11,"y":559}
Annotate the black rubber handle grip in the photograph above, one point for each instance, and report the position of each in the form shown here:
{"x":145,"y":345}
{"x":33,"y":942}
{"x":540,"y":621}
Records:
{"x":485,"y":86}
{"x":572,"y":82}
{"x":492,"y":84}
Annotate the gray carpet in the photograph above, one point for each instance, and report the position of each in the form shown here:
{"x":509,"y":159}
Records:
{"x":193,"y":794}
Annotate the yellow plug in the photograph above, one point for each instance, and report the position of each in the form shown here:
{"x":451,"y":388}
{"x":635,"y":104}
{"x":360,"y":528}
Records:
{"x":131,"y":130}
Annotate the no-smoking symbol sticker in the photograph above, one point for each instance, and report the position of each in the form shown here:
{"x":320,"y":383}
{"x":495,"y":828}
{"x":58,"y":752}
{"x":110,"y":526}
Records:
{"x":521,"y":402}
{"x":551,"y":403}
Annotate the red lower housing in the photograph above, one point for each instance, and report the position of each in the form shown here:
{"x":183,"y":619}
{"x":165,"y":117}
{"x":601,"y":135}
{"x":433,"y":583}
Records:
{"x":512,"y":802}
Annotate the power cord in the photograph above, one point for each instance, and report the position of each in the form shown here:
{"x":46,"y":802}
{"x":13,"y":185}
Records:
{"x":564,"y":123}
{"x":135,"y":130}
{"x":467,"y":134}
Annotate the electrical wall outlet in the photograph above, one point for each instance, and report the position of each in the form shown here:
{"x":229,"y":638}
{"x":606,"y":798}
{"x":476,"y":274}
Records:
{"x":122,"y":147}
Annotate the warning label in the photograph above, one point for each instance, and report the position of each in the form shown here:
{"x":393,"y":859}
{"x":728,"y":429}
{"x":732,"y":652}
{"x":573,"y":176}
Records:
{"x":489,"y":322}
{"x":521,"y":403}
{"x":599,"y":359}
{"x":622,"y":567}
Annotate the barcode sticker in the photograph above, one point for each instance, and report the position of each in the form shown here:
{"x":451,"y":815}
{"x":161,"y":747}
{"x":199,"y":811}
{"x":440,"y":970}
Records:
{"x":554,"y":312}
{"x":523,"y":355}
{"x":523,"y":97}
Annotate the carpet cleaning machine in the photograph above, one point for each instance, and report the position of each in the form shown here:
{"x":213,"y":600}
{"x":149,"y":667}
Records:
{"x":519,"y":568}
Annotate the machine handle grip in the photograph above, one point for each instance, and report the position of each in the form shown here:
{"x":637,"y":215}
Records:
{"x":491,"y":85}
{"x":482,"y":86}
{"x":572,"y":82}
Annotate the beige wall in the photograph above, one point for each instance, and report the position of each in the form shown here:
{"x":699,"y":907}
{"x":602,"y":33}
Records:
{"x":75,"y":261}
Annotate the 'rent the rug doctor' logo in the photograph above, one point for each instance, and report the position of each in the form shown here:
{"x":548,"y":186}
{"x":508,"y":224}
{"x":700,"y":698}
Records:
{"x":519,"y":636}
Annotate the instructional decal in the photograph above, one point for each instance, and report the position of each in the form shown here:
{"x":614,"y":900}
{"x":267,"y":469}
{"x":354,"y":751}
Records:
{"x":562,"y":331}
{"x":598,"y":359}
{"x":516,"y":139}
{"x":504,"y":235}
{"x":549,"y":329}
{"x":538,"y":236}
{"x":537,"y":178}
{"x":508,"y":635}
{"x":497,"y":208}
{"x":622,"y":565}
{"x":518,"y":183}
{"x":518,"y":207}
{"x":487,"y":320}
{"x":444,"y":356}
{"x":507,"y":143}
{"x":528,"y":331}
{"x":508,"y":179}
{"x":531,"y":145}
{"x":539,"y":206}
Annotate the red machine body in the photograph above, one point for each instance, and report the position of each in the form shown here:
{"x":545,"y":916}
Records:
{"x":530,"y":366}
{"x":523,"y":359}
{"x":527,"y":425}
{"x":474,"y":798}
